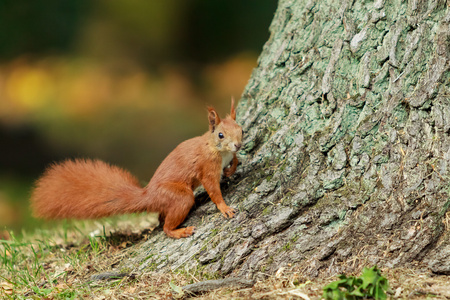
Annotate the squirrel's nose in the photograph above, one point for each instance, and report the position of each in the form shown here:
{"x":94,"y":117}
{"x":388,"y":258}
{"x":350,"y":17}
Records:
{"x":238,"y":146}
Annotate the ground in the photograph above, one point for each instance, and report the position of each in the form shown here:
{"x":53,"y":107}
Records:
{"x":59,"y":263}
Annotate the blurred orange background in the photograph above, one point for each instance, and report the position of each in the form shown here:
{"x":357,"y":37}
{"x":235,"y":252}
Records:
{"x":123,"y":81}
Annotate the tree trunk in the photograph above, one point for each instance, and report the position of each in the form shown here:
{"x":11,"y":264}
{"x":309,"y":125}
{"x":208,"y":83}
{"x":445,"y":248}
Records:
{"x":347,"y":148}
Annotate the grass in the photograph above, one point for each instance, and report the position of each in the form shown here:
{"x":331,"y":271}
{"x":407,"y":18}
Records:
{"x":59,"y":263}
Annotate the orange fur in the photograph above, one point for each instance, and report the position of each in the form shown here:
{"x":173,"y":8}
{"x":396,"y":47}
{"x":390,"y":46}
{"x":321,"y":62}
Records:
{"x":93,"y":189}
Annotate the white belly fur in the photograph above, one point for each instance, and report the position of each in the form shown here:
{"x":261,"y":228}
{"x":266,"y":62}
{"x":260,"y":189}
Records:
{"x":226,"y":159}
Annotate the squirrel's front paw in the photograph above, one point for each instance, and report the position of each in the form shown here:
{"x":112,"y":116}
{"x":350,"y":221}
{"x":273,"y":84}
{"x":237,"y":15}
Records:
{"x":227,"y":172}
{"x":227,"y":212}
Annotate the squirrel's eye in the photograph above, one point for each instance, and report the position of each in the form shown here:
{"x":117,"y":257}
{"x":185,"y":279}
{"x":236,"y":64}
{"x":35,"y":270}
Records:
{"x":242,"y":132}
{"x":221,"y":135}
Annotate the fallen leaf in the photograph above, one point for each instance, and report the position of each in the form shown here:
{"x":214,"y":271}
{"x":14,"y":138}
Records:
{"x":279,"y":273}
{"x":7,"y":288}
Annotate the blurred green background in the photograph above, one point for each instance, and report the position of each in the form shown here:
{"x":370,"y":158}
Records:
{"x":124,"y":81}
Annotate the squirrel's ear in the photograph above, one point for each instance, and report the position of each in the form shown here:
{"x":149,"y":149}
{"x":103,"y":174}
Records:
{"x":213,"y":118}
{"x":233,"y":112}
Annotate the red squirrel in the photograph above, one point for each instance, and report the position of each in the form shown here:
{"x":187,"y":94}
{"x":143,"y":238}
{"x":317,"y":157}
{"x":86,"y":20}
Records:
{"x":86,"y":189}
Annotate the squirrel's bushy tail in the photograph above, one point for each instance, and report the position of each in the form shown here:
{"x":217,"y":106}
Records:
{"x":84,"y":189}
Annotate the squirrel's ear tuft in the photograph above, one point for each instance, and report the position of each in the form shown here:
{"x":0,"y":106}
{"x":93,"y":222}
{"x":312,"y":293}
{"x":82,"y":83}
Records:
{"x":233,"y":112}
{"x":213,"y":118}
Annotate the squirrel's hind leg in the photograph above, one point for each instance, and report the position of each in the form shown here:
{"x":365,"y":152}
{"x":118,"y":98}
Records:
{"x":181,"y":200}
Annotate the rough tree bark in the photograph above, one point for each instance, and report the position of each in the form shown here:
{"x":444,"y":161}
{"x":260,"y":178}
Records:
{"x":347,"y":148}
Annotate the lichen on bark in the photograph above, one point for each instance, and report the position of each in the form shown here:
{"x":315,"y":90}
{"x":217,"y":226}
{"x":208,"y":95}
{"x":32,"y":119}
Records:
{"x":347,"y":146}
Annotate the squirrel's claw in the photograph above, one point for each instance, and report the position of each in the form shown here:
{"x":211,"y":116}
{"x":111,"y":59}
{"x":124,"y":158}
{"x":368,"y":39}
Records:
{"x":227,"y":212}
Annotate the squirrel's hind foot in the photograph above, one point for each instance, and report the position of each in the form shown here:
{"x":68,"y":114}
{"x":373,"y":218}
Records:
{"x":180,"y":233}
